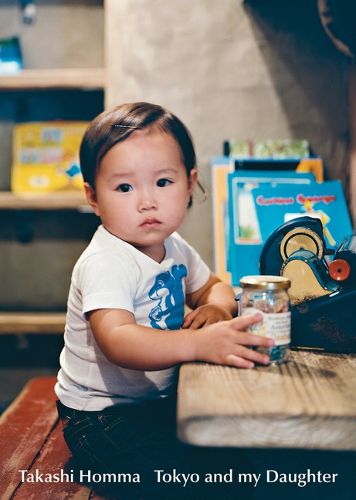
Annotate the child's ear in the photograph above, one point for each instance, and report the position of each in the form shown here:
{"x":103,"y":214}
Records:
{"x":91,"y":198}
{"x":192,"y":181}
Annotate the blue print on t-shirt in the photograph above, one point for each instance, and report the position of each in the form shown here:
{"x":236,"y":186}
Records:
{"x":168,"y":290}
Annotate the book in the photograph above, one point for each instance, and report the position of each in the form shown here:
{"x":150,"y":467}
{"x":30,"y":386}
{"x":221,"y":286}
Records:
{"x":46,"y":157}
{"x":269,"y":148}
{"x":256,"y":209}
{"x":11,"y":62}
{"x":221,"y":168}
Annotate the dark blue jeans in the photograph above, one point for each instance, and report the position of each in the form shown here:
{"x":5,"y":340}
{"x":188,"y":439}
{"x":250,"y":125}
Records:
{"x":137,"y":440}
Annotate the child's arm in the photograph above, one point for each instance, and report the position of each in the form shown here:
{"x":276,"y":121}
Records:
{"x":214,"y":302}
{"x":138,"y":347}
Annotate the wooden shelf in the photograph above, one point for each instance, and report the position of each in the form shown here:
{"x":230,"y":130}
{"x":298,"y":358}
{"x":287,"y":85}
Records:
{"x":68,"y":78}
{"x":51,"y":201}
{"x":33,"y":323}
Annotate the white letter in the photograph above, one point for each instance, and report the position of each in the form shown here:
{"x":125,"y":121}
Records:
{"x":158,"y":474}
{"x":272,"y":480}
{"x":23,"y":472}
{"x":256,"y":478}
{"x":84,"y":476}
{"x":228,"y":477}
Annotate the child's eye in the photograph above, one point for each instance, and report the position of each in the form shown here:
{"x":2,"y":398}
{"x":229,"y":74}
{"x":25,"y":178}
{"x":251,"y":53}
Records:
{"x":163,"y":182}
{"x":124,"y":188}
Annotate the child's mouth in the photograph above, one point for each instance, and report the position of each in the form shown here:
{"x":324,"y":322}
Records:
{"x":150,"y":223}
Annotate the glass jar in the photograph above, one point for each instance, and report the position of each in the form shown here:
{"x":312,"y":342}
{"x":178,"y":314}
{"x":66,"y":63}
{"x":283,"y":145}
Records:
{"x":268,"y":295}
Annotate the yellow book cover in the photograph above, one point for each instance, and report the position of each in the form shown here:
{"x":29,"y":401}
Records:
{"x":46,"y":157}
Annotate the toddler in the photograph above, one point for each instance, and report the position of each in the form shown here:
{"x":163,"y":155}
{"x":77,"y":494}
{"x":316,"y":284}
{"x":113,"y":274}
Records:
{"x":126,"y":333}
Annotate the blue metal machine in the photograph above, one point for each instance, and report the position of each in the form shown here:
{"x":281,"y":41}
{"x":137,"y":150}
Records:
{"x":323,"y":284}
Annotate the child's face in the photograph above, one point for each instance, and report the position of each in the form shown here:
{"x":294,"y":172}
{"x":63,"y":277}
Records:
{"x":142,"y":190}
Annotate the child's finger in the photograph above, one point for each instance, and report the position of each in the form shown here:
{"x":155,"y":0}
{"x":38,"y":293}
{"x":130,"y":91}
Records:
{"x":245,"y":338}
{"x":243,"y":322}
{"x":198,"y":322}
{"x":238,"y":362}
{"x":252,"y":355}
{"x":188,"y":319}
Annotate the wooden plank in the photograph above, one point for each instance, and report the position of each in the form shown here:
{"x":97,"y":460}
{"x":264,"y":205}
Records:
{"x":309,"y":402}
{"x":51,"y":201}
{"x":66,"y":78}
{"x":32,"y":323}
{"x":51,"y":460}
{"x":23,"y":427}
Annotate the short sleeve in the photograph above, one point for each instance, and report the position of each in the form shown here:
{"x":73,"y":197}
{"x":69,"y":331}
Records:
{"x":107,"y":282}
{"x":198,"y":271}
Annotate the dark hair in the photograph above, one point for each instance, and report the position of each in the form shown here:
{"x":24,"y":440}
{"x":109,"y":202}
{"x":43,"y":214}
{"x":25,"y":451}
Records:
{"x":116,"y":125}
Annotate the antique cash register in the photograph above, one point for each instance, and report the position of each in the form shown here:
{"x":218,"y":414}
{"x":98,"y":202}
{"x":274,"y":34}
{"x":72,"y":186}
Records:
{"x":323,"y":284}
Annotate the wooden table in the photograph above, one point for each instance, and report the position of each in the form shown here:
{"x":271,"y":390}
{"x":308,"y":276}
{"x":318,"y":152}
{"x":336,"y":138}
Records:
{"x":309,"y":402}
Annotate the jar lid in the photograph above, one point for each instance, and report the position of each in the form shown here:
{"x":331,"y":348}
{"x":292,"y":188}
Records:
{"x":265,"y":282}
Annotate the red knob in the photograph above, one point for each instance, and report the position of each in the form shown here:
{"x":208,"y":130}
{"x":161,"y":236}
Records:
{"x":339,"y":269}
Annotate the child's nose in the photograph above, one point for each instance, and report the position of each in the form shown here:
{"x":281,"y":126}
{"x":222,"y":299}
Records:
{"x":147,"y":202}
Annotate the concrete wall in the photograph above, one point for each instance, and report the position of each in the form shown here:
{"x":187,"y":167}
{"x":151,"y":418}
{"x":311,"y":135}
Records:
{"x":66,"y":33}
{"x":231,"y":71}
{"x":228,"y":71}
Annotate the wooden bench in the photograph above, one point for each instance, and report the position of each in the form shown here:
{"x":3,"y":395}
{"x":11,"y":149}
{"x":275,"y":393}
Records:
{"x":31,"y":439}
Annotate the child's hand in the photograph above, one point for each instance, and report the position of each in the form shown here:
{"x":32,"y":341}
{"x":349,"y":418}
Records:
{"x":205,"y":315}
{"x":227,"y":343}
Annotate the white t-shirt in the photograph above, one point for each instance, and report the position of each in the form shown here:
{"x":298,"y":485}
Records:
{"x":113,"y":274}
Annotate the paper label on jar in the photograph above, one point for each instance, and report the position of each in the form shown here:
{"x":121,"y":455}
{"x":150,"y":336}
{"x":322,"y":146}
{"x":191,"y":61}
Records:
{"x":273,"y":325}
